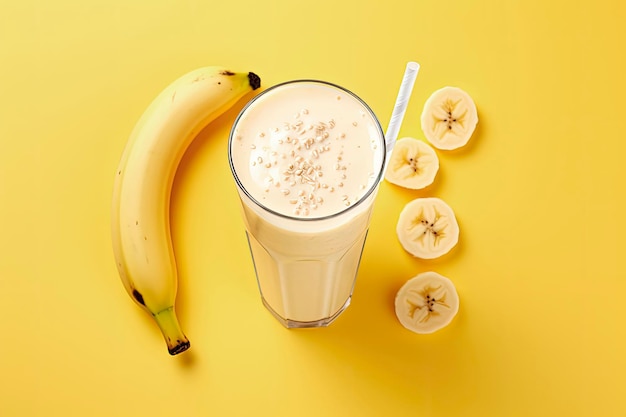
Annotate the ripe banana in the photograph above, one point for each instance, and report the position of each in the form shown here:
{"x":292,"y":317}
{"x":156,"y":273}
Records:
{"x":427,"y":303}
{"x":449,"y":118}
{"x":141,"y":199}
{"x":427,"y":228}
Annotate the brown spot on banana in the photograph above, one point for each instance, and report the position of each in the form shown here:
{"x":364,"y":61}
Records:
{"x":137,"y":296}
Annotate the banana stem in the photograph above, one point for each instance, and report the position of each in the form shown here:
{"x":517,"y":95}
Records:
{"x":176,"y":340}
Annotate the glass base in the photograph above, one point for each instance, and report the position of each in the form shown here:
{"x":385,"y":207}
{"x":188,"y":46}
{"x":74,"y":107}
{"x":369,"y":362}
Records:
{"x":292,"y":324}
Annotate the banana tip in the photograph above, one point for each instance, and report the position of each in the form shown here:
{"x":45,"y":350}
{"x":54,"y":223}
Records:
{"x":178,"y":348}
{"x":255,"y":80}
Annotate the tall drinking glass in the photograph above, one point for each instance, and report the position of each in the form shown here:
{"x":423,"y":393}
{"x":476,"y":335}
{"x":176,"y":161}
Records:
{"x":307,"y":157}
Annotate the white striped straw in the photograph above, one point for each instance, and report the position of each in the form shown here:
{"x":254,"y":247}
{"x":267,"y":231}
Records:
{"x":401,"y":103}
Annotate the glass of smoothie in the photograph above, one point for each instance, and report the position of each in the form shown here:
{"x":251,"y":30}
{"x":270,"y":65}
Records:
{"x":307,"y":157}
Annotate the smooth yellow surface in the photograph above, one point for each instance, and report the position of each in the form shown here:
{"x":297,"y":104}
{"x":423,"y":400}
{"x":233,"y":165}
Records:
{"x":538,"y":192}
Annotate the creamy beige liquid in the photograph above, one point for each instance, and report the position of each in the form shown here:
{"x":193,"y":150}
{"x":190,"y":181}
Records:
{"x":305,"y":152}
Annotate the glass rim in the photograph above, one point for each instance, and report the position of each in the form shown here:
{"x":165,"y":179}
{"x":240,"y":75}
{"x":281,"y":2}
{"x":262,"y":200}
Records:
{"x":350,"y":208}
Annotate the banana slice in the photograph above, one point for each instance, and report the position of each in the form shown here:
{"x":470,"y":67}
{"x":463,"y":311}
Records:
{"x":449,"y":118}
{"x":427,"y":228}
{"x":427,"y":303}
{"x":413,"y":164}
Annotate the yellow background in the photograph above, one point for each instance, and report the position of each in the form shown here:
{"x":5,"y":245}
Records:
{"x":538,"y":192}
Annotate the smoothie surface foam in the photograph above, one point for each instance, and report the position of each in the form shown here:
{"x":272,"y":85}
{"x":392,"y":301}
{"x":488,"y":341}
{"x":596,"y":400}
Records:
{"x":307,"y":149}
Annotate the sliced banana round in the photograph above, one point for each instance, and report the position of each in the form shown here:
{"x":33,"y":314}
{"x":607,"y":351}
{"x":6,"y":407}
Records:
{"x":427,"y":303}
{"x":413,"y":164}
{"x":449,"y":118}
{"x":427,"y":228}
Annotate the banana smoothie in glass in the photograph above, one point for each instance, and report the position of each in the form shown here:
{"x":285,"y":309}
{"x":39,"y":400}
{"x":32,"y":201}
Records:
{"x":307,"y":157}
